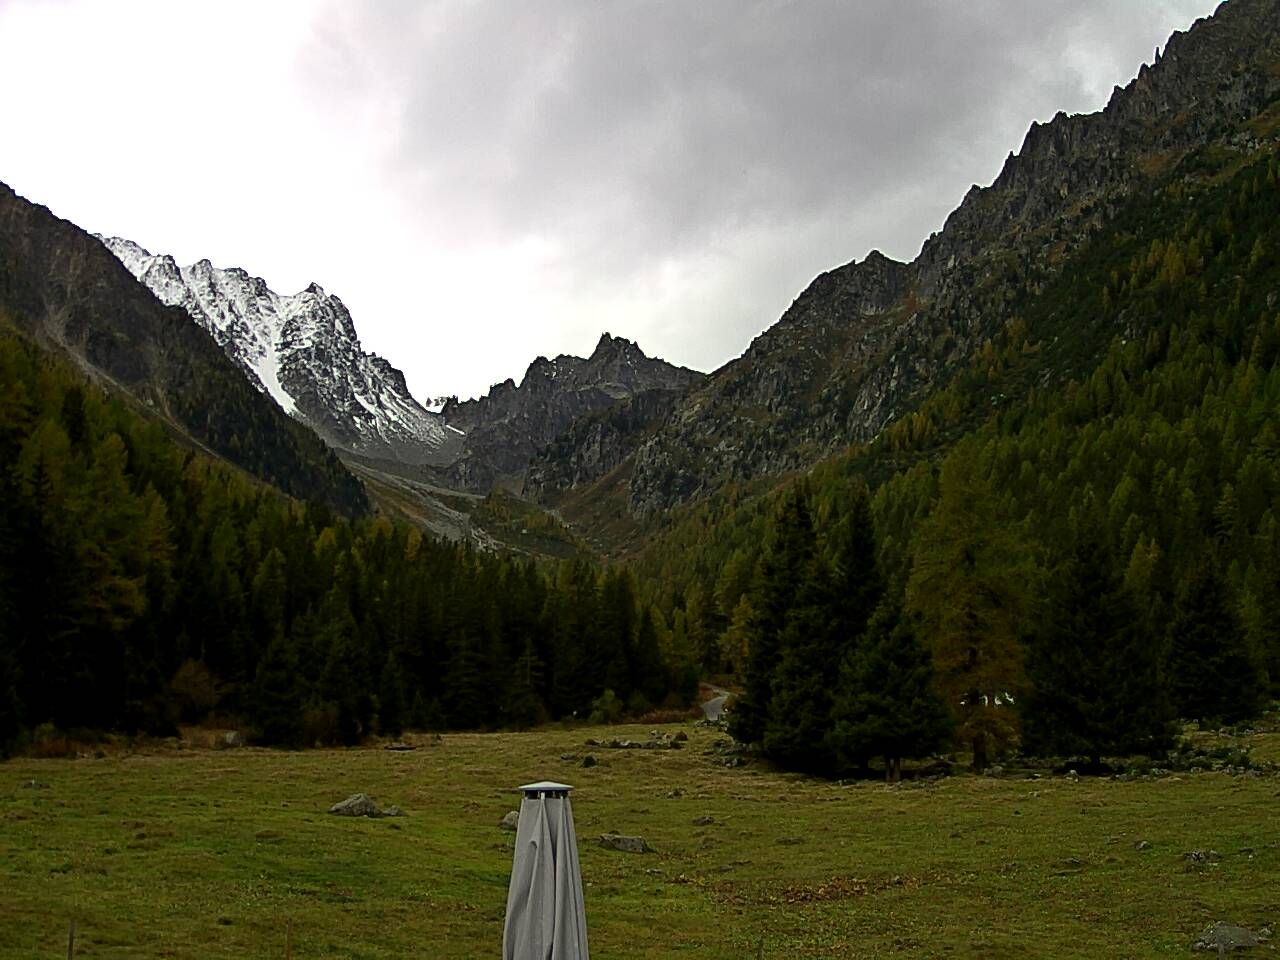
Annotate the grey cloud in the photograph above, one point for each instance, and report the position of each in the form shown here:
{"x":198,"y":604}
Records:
{"x":634,"y":132}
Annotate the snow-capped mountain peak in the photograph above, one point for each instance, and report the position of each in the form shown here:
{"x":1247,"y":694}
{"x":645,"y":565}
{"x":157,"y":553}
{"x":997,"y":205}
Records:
{"x":302,"y":350}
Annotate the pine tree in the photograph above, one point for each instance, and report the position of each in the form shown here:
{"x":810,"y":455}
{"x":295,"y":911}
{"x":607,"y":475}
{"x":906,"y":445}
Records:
{"x":789,"y":549}
{"x":392,"y":708}
{"x":885,"y":704}
{"x":1212,"y":671}
{"x":276,"y":700}
{"x":1095,"y":678}
{"x":835,"y":602}
{"x":800,"y":706}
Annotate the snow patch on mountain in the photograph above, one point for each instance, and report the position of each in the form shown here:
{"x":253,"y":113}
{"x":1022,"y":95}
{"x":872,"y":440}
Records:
{"x":302,"y":350}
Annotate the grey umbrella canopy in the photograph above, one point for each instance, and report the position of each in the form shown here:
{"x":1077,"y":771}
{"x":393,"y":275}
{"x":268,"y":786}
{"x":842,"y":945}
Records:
{"x":546,"y":919}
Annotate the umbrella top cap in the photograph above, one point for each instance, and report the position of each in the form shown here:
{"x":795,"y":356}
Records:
{"x":545,"y":788}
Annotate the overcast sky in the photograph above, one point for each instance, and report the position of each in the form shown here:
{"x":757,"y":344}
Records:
{"x":484,"y":181}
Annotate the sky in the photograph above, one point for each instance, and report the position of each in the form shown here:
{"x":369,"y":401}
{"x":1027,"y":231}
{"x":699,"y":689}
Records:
{"x":486,"y":181}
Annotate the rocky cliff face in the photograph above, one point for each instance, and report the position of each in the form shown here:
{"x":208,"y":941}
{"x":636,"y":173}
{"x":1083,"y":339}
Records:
{"x":303,"y":352}
{"x":509,"y":425}
{"x":866,"y":341}
{"x":61,"y":286}
{"x":596,"y":444}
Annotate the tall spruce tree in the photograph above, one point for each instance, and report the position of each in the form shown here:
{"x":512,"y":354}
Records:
{"x":1096,"y":687}
{"x":836,"y":599}
{"x":885,"y":704}
{"x":1214,"y":676}
{"x":275,"y":702}
{"x":788,"y":555}
{"x":800,"y":704}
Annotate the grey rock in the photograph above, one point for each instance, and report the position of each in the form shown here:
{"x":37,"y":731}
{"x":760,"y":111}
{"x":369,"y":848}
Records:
{"x":393,"y":811}
{"x":511,"y":821}
{"x":1202,"y":856}
{"x":356,"y":805}
{"x":506,"y":428}
{"x":704,"y":821}
{"x":1223,"y":938}
{"x":617,"y":841}
{"x":1142,"y":845}
{"x":232,"y":738}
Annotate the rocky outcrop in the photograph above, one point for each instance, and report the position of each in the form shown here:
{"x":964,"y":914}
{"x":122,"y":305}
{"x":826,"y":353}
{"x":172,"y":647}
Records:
{"x":61,"y":286}
{"x":508,"y":426}
{"x":867,"y":341}
{"x":301,"y":350}
{"x":596,"y":444}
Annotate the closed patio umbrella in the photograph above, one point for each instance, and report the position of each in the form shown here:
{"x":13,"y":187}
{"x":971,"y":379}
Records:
{"x":546,"y":919}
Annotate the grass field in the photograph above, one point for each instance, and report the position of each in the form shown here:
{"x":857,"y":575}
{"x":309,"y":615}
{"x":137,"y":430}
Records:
{"x":209,"y":853}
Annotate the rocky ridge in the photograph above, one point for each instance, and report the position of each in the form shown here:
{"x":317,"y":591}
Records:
{"x":303,"y":352}
{"x":508,"y":426}
{"x":60,"y":285}
{"x":867,"y":341}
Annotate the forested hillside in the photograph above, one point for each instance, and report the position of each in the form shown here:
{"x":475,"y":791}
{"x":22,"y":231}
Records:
{"x":64,"y":288}
{"x":1093,"y":502}
{"x":142,"y":584}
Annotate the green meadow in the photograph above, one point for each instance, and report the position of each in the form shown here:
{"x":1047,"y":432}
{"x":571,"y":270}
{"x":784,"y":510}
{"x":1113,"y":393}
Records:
{"x":165,"y":852}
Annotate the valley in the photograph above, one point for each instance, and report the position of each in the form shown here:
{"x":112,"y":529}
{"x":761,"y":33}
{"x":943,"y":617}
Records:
{"x":157,"y":851}
{"x":979,"y":551}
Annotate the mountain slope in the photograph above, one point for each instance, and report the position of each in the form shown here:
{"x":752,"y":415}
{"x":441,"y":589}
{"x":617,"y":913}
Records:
{"x":867,"y":342}
{"x":303,"y":352}
{"x":62,"y":286}
{"x":509,"y":425}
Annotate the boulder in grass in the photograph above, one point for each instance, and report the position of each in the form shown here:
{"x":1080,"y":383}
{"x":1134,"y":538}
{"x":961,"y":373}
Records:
{"x":511,"y":822}
{"x":616,"y":841}
{"x":356,"y":805}
{"x":1222,"y":938}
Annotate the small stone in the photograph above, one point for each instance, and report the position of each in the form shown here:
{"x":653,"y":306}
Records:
{"x":570,"y":757}
{"x":704,"y":821}
{"x":511,"y":821}
{"x":1222,"y":938}
{"x":617,"y":841}
{"x":393,"y":811}
{"x":232,"y":738}
{"x":588,"y":761}
{"x":356,"y":805}
{"x":1202,"y":856}
{"x":1142,"y":845}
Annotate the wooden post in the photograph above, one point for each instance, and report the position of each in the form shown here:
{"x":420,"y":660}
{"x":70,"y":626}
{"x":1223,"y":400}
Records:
{"x":288,"y":939}
{"x":71,"y":940}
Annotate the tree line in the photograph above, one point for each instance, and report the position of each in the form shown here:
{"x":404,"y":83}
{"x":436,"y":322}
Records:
{"x":143,"y":584}
{"x":1105,"y":473}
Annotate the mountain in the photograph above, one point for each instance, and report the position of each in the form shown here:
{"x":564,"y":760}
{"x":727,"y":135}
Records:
{"x":62,"y":287}
{"x":507,"y":427}
{"x":303,"y":352}
{"x":867,"y":342}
